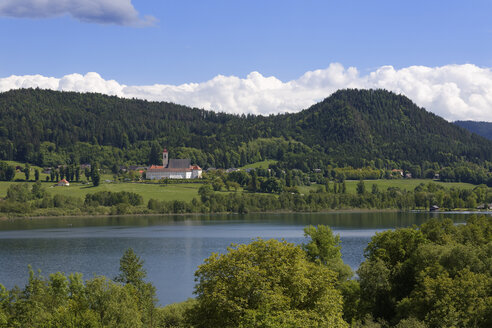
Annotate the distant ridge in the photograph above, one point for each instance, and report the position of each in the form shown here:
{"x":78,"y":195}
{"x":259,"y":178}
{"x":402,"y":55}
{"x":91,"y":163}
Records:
{"x":483,"y":129}
{"x":351,"y":127}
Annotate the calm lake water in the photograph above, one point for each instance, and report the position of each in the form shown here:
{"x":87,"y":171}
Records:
{"x":171,"y":246}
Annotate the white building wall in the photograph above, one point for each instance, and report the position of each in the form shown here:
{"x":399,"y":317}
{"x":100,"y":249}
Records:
{"x":168,"y":175}
{"x":195,"y":174}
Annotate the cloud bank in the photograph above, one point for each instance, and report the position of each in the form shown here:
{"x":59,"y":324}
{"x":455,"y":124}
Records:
{"x":455,"y":92}
{"x":119,"y":12}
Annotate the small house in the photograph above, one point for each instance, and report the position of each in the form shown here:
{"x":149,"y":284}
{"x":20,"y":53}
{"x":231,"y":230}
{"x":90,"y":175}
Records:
{"x":397,"y":172}
{"x":63,"y":183}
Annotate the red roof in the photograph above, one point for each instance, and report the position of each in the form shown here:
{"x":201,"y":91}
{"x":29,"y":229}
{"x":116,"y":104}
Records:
{"x":157,"y":168}
{"x":162,"y":169}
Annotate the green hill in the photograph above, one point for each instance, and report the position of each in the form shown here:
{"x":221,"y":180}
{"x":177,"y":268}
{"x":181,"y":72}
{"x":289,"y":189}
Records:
{"x":371,"y":124}
{"x":351,"y":127}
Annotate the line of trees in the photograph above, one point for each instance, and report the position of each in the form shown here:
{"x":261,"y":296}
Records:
{"x":266,"y":194}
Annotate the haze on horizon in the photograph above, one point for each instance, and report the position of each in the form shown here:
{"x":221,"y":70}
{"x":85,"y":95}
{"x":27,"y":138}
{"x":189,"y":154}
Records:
{"x":252,"y":56}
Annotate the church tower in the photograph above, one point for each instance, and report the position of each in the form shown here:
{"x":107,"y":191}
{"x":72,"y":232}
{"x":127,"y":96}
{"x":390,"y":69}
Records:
{"x":165,"y":158}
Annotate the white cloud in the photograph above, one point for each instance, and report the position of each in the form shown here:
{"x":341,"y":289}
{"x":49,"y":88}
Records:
{"x":119,"y":12}
{"x":455,"y":92}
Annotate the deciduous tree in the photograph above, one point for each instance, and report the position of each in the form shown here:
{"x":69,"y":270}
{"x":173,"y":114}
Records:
{"x":265,"y":284}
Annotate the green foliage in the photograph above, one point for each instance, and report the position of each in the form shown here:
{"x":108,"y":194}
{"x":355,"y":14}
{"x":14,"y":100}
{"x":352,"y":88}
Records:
{"x":372,"y":129}
{"x":155,"y":154}
{"x":437,"y":275}
{"x":350,"y":290}
{"x":63,"y":201}
{"x":411,"y":323}
{"x":350,"y":173}
{"x":37,"y":190}
{"x":182,"y":198}
{"x":95,"y":174}
{"x":61,"y":301}
{"x":131,"y":269}
{"x":27,"y":171}
{"x":265,"y":284}
{"x":108,"y":198}
{"x":232,"y":185}
{"x":115,"y":304}
{"x":19,"y":192}
{"x":324,"y":248}
{"x":271,"y":185}
{"x":361,"y":187}
{"x":466,"y":172}
{"x":175,"y":315}
{"x":217,"y":184}
{"x":7,"y":172}
{"x":132,"y":273}
{"x":240,"y":177}
{"x":205,"y":192}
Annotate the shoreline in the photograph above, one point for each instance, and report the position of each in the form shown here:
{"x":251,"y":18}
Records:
{"x":346,"y":210}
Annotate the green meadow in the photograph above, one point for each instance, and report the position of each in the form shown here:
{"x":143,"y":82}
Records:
{"x":188,"y":191}
{"x":260,"y":165}
{"x":185,"y":191}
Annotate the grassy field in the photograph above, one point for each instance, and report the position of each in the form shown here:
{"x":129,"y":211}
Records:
{"x":257,"y":165}
{"x":188,"y":191}
{"x":408,"y":184}
{"x":184,"y":192}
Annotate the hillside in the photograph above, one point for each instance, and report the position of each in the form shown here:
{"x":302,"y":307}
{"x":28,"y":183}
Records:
{"x":379,"y":124}
{"x":483,"y":129}
{"x":351,"y":127}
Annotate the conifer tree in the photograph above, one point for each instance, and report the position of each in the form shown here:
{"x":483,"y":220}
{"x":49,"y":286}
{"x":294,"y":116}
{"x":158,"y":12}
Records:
{"x":95,"y":176}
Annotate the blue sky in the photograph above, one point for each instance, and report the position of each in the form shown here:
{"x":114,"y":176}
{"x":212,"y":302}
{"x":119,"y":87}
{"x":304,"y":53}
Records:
{"x":195,"y":41}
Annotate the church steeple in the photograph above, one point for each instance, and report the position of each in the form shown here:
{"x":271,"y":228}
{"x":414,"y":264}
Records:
{"x":165,"y":158}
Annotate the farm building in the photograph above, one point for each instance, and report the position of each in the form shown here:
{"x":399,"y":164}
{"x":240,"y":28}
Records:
{"x":63,"y":183}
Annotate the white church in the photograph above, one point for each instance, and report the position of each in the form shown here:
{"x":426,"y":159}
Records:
{"x":173,"y":169}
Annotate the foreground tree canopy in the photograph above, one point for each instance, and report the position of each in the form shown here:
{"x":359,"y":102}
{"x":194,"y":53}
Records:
{"x":69,"y":301}
{"x":266,"y":284}
{"x":432,"y":276}
{"x":440,"y":273}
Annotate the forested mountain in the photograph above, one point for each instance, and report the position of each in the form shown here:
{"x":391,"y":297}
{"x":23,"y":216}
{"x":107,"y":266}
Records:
{"x":483,"y":129}
{"x":352,"y":127}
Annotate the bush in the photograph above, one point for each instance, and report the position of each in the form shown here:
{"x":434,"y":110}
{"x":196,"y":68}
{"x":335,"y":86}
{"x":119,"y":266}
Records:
{"x":108,"y":198}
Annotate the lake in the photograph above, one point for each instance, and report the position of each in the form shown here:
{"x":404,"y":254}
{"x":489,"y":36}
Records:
{"x":172,"y":246}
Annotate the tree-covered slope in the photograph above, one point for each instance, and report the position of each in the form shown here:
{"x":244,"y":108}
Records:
{"x":378,"y":124}
{"x":351,"y":127}
{"x":483,"y":129}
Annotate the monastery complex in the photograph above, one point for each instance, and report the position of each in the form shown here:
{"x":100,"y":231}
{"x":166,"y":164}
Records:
{"x":174,"y":169}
